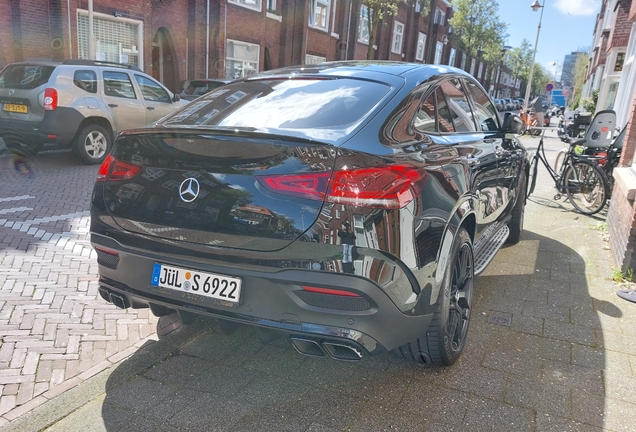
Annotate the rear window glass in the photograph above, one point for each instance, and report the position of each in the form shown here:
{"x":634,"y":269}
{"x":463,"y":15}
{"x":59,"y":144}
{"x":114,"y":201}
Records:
{"x":86,"y":80}
{"x":25,"y":76}
{"x":283,"y":104}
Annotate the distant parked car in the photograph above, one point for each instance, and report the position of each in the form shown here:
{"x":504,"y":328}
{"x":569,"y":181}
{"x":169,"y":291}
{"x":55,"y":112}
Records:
{"x":500,"y":104}
{"x":200,"y":87}
{"x":82,"y":104}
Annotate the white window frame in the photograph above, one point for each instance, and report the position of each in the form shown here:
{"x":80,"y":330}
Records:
{"x":312,"y":14}
{"x":271,"y":6}
{"x":314,"y":59}
{"x":473,"y":62}
{"x":463,"y":65}
{"x":398,"y":37}
{"x":480,"y":70}
{"x":256,"y":5}
{"x":439,"y":49}
{"x":421,"y":46}
{"x":451,"y":58}
{"x":229,"y":59}
{"x":363,"y":24}
{"x":440,"y":17}
{"x":140,"y":33}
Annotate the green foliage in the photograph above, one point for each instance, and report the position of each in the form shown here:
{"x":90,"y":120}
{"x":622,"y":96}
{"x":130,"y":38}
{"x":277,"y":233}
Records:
{"x":519,"y":60}
{"x":589,"y":103}
{"x":579,"y":77}
{"x":478,"y":28}
{"x":619,"y":276}
{"x":540,"y":78}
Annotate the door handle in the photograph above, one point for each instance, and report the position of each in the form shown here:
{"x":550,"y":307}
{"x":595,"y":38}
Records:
{"x":113,"y":105}
{"x":150,"y":108}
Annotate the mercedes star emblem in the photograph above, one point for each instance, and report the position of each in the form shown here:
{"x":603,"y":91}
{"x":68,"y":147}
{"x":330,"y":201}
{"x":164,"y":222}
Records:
{"x":189,"y":189}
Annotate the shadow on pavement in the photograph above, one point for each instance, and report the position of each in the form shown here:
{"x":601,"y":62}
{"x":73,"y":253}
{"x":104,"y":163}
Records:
{"x":533,"y":361}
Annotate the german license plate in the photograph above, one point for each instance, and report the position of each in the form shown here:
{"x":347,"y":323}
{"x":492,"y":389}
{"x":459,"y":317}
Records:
{"x":16,"y":108}
{"x":206,"y":284}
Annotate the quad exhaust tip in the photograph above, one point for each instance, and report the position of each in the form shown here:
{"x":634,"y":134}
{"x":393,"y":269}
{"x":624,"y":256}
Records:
{"x":336,"y":351}
{"x":112,"y":297}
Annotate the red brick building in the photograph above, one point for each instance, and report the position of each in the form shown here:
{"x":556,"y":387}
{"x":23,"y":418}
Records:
{"x":178,"y":40}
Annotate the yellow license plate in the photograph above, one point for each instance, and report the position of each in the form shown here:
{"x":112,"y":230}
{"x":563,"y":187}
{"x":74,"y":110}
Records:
{"x":16,"y":108}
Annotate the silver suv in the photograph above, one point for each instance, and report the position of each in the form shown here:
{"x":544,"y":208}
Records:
{"x":82,"y":104}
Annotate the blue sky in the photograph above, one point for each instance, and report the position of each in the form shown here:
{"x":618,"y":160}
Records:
{"x":567,"y":25}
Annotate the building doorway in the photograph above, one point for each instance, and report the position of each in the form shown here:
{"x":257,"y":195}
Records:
{"x":164,"y":62}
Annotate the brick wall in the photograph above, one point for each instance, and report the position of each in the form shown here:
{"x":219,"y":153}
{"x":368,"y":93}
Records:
{"x":621,"y":221}
{"x":6,"y":47}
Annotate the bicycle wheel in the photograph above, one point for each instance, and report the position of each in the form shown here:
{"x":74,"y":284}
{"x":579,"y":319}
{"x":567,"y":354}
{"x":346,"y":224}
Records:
{"x":559,"y":160}
{"x":532,"y":175}
{"x":586,"y":187}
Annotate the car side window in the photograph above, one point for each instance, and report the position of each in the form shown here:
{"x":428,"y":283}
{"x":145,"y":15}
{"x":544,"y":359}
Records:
{"x":151,"y":90}
{"x":444,"y":120}
{"x":485,"y":111}
{"x":458,"y":105}
{"x":424,"y":120}
{"x":118,"y":84}
{"x":86,"y":80}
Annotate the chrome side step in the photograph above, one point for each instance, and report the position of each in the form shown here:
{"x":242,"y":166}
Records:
{"x":488,"y":251}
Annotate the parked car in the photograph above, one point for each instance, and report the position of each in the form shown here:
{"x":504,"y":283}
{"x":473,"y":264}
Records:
{"x":82,"y":104}
{"x":199,"y":87}
{"x":348,"y":205}
{"x":510,"y":105}
{"x":500,"y":104}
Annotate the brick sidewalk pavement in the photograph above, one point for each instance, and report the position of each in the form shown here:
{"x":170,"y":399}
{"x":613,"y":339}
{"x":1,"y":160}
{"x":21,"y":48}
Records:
{"x":55,"y":330}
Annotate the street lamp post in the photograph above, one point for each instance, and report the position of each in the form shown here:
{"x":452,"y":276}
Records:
{"x":535,"y":7}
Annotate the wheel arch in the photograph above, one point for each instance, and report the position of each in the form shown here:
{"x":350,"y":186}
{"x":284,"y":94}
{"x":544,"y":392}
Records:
{"x":101,"y":121}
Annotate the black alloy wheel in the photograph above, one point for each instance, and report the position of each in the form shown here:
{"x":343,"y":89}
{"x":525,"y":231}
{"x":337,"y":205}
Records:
{"x":445,"y":339}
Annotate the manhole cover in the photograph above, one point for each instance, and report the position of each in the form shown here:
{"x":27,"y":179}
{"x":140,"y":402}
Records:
{"x":499,"y":320}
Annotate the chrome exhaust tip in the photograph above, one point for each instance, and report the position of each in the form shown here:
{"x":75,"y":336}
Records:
{"x":342,"y":352}
{"x":307,"y":347}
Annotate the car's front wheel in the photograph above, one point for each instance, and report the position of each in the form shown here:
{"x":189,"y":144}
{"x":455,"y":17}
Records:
{"x":446,"y":336}
{"x":92,"y":145}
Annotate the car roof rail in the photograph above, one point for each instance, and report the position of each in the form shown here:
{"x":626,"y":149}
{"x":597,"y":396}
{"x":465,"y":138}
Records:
{"x":39,"y":59}
{"x":84,"y":62}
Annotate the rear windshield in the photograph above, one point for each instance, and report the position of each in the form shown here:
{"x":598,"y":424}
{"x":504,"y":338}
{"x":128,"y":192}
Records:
{"x":25,"y":76}
{"x":283,"y":104}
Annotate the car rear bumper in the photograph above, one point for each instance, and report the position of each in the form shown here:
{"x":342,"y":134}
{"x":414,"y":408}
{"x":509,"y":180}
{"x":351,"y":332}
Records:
{"x":371,"y":322}
{"x":58,"y":127}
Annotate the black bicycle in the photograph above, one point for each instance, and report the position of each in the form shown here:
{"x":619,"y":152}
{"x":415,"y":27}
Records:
{"x":579,"y":178}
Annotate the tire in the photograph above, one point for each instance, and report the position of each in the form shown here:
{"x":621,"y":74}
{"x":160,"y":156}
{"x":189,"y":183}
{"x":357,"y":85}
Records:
{"x":446,"y":336}
{"x":532,"y":175}
{"x":92,"y":145}
{"x":516,"y":223}
{"x":586,"y":187}
{"x":558,"y":162}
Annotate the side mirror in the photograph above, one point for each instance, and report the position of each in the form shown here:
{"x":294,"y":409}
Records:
{"x":176,"y":98}
{"x":512,"y":124}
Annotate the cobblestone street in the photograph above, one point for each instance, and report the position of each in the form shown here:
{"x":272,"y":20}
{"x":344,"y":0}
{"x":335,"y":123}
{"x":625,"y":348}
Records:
{"x":56,"y":331}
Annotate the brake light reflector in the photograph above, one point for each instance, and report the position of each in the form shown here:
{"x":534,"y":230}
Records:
{"x":388,"y":186}
{"x":330,"y":291}
{"x":113,"y":169}
{"x":50,"y":99}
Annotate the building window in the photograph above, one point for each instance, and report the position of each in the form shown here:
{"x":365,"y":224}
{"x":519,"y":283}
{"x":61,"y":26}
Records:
{"x":251,"y":4}
{"x":440,"y":17}
{"x":116,"y":39}
{"x":421,"y":43}
{"x":319,"y":14}
{"x":241,"y":59}
{"x":472,"y":67}
{"x":312,"y":59}
{"x":398,"y":32}
{"x":451,"y":59}
{"x":481,"y":69}
{"x":620,"y":60}
{"x":438,"y":52}
{"x":363,"y":28}
{"x":271,"y":5}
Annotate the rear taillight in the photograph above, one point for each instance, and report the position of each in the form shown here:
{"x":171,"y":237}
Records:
{"x":389,"y":186}
{"x":113,"y":169}
{"x":50,"y":99}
